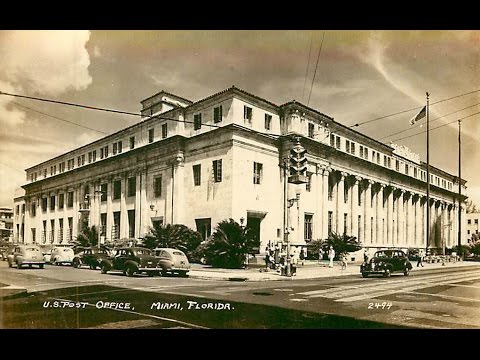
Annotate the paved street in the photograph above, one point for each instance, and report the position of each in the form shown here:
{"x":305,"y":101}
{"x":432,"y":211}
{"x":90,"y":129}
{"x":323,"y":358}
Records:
{"x":64,"y":297}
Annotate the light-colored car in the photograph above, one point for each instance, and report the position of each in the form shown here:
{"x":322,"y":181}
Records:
{"x":46,"y":250}
{"x":172,"y":261}
{"x":62,"y":255}
{"x":26,"y":255}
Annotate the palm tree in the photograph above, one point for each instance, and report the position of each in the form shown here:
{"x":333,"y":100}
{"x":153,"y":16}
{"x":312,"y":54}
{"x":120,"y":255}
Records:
{"x":342,"y":244}
{"x":88,"y":236}
{"x":175,"y":236}
{"x":229,"y":245}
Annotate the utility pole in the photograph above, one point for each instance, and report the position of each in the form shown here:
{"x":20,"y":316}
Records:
{"x":460,"y":188}
{"x":428,"y":175}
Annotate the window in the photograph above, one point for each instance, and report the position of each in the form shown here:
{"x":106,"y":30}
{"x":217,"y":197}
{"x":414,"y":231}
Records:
{"x":347,"y":146}
{"x":33,"y":208}
{"x":89,"y":157}
{"x":197,"y":169}
{"x":119,"y":147}
{"x":116,"y":225}
{"x":151,"y":135}
{"x":114,"y":148}
{"x":308,"y":229}
{"x":105,"y":151}
{"x":389,"y":164}
{"x":164,"y":131}
{"x":70,"y":199}
{"x":330,"y":188}
{"x":257,"y":173}
{"x":308,"y":185}
{"x":132,"y":142}
{"x":385,"y":160}
{"x":79,"y":161}
{"x":52,"y":202}
{"x":311,"y":130}
{"x":83,"y":159}
{"x":204,"y":227}
{"x":157,"y":186}
{"x":406,"y":169}
{"x":268,"y":121}
{"x":345,"y":217}
{"x":352,"y":148}
{"x":197,"y":121}
{"x":217,"y":114}
{"x":101,"y":153}
{"x":469,"y":221}
{"x":476,"y":221}
{"x":217,"y":170}
{"x":366,"y":154}
{"x":103,"y":224}
{"x":329,"y":222}
{"x":378,"y":158}
{"x":361,"y":151}
{"x":468,"y":232}
{"x":373,"y":156}
{"x":117,"y":189}
{"x":44,"y":204}
{"x":345,"y":192}
{"x":338,"y":142}
{"x":61,"y":167}
{"x":332,"y":140}
{"x":17,"y":209}
{"x":132,"y":184}
{"x":61,"y":201}
{"x":247,"y":113}
{"x":131,"y":223}
{"x":397,"y":165}
{"x":104,"y":190}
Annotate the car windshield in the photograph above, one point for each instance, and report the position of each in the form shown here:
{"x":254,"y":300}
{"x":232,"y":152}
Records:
{"x":143,"y":252}
{"x":383,"y":254}
{"x":32,"y":249}
{"x":177,"y":253}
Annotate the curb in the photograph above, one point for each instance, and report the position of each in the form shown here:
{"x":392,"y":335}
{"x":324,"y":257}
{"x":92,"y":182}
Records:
{"x":12,"y":292}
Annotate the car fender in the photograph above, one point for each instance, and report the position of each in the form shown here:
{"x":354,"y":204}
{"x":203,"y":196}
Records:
{"x":131,"y":263}
{"x":107,"y":263}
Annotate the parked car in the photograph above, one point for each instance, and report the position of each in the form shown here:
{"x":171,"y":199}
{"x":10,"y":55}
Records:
{"x":172,"y":261}
{"x":5,"y":251}
{"x":131,"y":260}
{"x":46,"y":250}
{"x":91,"y":257}
{"x":62,"y":255}
{"x":26,"y":255}
{"x":386,"y":262}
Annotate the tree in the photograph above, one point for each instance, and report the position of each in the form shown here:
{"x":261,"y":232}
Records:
{"x":470,"y":207}
{"x":88,"y":236}
{"x":342,"y":244}
{"x":175,"y":236}
{"x":475,"y":248}
{"x":229,"y":245}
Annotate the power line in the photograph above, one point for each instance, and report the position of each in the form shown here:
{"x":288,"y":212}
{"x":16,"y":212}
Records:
{"x":57,"y":118}
{"x":416,"y":126}
{"x":438,"y":127}
{"x":308,"y":65}
{"x":316,"y":66}
{"x":415,"y":108}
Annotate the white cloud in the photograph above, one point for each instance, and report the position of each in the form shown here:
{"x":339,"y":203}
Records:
{"x":9,"y":115}
{"x":96,"y":52}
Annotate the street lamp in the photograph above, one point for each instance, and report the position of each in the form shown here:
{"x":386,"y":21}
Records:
{"x":242,"y":219}
{"x":292,"y":201}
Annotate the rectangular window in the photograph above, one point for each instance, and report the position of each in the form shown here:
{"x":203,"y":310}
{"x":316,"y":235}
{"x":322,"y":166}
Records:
{"x":308,"y":185}
{"x":103,"y":224}
{"x":332,"y":140}
{"x":345,"y":217}
{"x":79,"y":161}
{"x":164,"y":131}
{"x":33,"y":208}
{"x":345,"y":192}
{"x":117,"y":189}
{"x":385,"y":160}
{"x":352,"y":148}
{"x":311,"y":130}
{"x":116,"y":225}
{"x":52,"y":202}
{"x":44,"y":204}
{"x":389,"y":163}
{"x":204,"y":227}
{"x":347,"y":146}
{"x":329,"y":222}
{"x":469,"y":221}
{"x":94,"y":155}
{"x":406,"y":169}
{"x":359,"y":227}
{"x":217,"y":114}
{"x":197,"y":170}
{"x":378,"y":158}
{"x":373,"y":156}
{"x":308,"y":227}
{"x":89,"y":157}
{"x":61,"y":201}
{"x":197,"y":121}
{"x":247,"y":113}
{"x":476,"y":221}
{"x":151,"y":135}
{"x":52,"y":230}
{"x":397,"y":165}
{"x":131,"y":223}
{"x":83,"y":159}
{"x":338,"y":142}
{"x":62,"y":167}
{"x":70,"y":199}
{"x":114,"y":148}
{"x":257,"y":173}
{"x":132,"y":142}
{"x":366,"y":154}
{"x":268,"y":121}
{"x":103,"y":190}
{"x":101,"y":153}
{"x":119,"y":147}
{"x":330,"y":188}
{"x":361,"y":151}
{"x":106,"y":151}
{"x":132,"y":184}
{"x":157,"y":186}
{"x":217,"y":170}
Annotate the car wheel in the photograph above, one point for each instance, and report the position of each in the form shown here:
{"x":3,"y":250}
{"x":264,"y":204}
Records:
{"x":76,"y":263}
{"x":183,"y":273}
{"x":151,"y":273}
{"x":30,"y":266}
{"x":104,"y":269}
{"x":387,"y":273}
{"x":93,"y":267}
{"x":40,"y":266}
{"x":19,"y":265}
{"x":364,"y":274}
{"x":164,"y":273}
{"x":406,"y":272}
{"x":130,"y":270}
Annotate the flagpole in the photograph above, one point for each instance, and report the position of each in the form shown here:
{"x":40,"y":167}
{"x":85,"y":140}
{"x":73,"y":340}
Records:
{"x":428,"y":176}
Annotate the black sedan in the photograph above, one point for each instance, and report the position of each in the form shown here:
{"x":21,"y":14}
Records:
{"x":91,"y":257}
{"x":386,"y":262}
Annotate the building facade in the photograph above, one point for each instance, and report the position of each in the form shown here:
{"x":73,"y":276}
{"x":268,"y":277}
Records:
{"x":197,"y":163}
{"x":6,"y":224}
{"x":472,"y":225}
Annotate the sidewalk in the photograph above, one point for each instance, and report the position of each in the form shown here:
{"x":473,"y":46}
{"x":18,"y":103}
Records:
{"x":310,"y":270}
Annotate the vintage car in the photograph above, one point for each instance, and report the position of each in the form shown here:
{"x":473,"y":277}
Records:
{"x":5,"y":251}
{"x":386,"y":262}
{"x":172,"y":261}
{"x":131,"y":261}
{"x":46,"y":250}
{"x":91,"y":257}
{"x":61,"y":255}
{"x":26,"y":255}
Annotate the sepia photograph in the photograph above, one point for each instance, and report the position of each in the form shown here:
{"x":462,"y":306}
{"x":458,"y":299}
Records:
{"x":239,"y":179}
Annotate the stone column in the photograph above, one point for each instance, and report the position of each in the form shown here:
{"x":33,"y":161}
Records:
{"x":424,"y":226}
{"x":416,"y":219}
{"x":108,"y":230}
{"x":367,"y":210}
{"x":340,"y":202}
{"x":179,"y":190}
{"x":325,"y":175}
{"x":389,"y":222}
{"x":123,"y":208}
{"x":355,"y":209}
{"x":379,"y":215}
{"x":138,"y":209}
{"x":400,"y":218}
{"x":144,"y":206}
{"x":76,"y":213}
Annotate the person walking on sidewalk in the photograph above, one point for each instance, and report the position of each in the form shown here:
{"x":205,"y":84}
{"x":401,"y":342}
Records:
{"x":331,"y":255}
{"x":420,"y":258}
{"x":344,"y":258}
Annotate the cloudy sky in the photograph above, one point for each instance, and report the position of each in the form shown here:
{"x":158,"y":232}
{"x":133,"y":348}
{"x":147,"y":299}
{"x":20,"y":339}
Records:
{"x":360,"y":76}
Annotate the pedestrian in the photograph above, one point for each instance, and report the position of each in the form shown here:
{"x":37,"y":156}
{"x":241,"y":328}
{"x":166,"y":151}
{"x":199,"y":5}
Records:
{"x":344,"y":258}
{"x":420,"y":258}
{"x":365,"y":256}
{"x":331,"y":255}
{"x":267,"y":258}
{"x":320,"y":255}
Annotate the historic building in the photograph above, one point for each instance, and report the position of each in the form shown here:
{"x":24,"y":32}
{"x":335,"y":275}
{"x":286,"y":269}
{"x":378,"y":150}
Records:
{"x":197,"y":163}
{"x":472,"y":225}
{"x":6,"y":224}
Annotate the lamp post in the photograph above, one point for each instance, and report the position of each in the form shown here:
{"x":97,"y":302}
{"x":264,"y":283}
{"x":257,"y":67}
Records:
{"x":290,"y":203}
{"x":242,"y":219}
{"x":96,"y":193}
